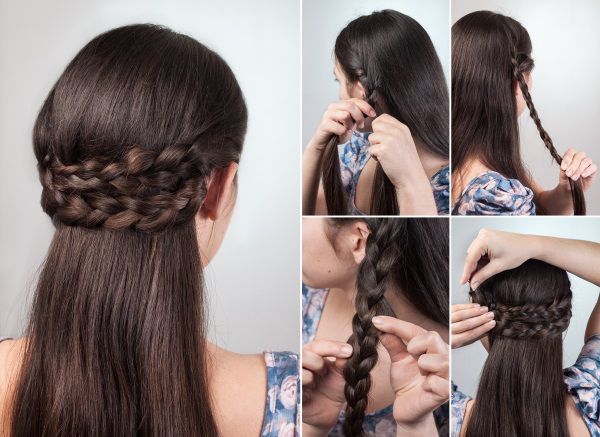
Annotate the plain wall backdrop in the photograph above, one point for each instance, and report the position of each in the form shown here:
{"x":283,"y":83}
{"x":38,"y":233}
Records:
{"x":566,"y":91}
{"x":467,"y":361}
{"x":322,"y":21}
{"x":253,"y":283}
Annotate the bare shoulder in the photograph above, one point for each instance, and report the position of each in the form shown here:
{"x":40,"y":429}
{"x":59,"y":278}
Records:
{"x":364,"y":186}
{"x":11,"y":354}
{"x":239,"y":389}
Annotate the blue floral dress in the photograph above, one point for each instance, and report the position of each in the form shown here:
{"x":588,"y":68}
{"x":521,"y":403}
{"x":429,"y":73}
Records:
{"x":582,"y":381}
{"x":492,"y":194}
{"x":283,"y":394}
{"x":379,"y":423}
{"x":354,"y":155}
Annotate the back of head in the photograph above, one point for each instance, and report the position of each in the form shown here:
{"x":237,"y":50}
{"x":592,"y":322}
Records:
{"x":521,"y":389}
{"x":491,"y":54}
{"x":126,"y":142}
{"x":393,"y":58}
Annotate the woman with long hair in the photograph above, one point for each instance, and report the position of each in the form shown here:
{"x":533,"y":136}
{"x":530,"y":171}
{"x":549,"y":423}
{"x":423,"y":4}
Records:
{"x":491,"y":82}
{"x":394,"y":108}
{"x":521,"y":306}
{"x":375,"y":327}
{"x":137,"y":146}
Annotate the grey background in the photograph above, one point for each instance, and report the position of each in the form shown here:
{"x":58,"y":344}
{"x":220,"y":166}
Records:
{"x":566,"y":92}
{"x":322,"y":21}
{"x":253,"y":283}
{"x":467,"y":361}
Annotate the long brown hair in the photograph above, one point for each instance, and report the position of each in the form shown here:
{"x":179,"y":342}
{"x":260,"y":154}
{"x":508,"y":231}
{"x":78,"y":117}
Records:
{"x":521,"y":389}
{"x":490,"y":54}
{"x":125,"y":142}
{"x":393,"y":58}
{"x":409,"y":254}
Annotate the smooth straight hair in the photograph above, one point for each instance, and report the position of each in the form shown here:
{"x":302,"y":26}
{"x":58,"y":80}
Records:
{"x":125,"y":143}
{"x":521,"y":389}
{"x":409,"y":255}
{"x":393,"y":58}
{"x":491,"y":54}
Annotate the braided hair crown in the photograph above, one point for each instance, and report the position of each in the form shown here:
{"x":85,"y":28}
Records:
{"x":530,"y":302}
{"x":124,"y":147}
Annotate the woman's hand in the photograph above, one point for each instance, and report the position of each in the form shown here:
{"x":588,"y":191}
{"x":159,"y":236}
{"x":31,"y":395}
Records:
{"x":577,"y":165}
{"x":323,"y":383}
{"x":340,"y":119}
{"x":501,"y":250}
{"x":470,"y":322}
{"x":392,"y":145}
{"x":418,"y":373}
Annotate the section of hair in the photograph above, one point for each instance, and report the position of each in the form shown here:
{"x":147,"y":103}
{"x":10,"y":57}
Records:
{"x":521,"y":390}
{"x":125,"y":142}
{"x":491,"y":53}
{"x":407,"y":255}
{"x":393,"y":58}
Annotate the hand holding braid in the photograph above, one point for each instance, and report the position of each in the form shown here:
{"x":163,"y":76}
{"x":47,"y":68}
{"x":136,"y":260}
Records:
{"x":145,"y":190}
{"x":520,"y":65}
{"x":381,"y":254}
{"x":529,"y":320}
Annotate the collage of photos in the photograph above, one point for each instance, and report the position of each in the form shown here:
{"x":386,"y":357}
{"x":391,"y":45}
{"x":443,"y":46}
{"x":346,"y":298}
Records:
{"x":300,"y":218}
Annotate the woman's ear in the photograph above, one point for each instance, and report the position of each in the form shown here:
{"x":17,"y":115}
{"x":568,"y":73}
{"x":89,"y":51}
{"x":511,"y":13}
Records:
{"x":220,"y":192}
{"x":359,"y":232}
{"x":358,"y":90}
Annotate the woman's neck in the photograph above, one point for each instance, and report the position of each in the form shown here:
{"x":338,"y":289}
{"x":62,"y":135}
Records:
{"x":431,"y":162}
{"x":472,"y":168}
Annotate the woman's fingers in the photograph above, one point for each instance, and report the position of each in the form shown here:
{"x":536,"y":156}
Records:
{"x":333,"y":127}
{"x":466,"y":313}
{"x":312,"y":361}
{"x":576,"y":159}
{"x":394,"y":345}
{"x":404,"y":330}
{"x":344,"y":117}
{"x":472,"y":322}
{"x":583,"y":165}
{"x":428,"y":342}
{"x":477,"y":249}
{"x":438,"y":386}
{"x":364,"y":107}
{"x":434,"y":363}
{"x":487,"y":271}
{"x":463,"y":306}
{"x":472,"y":335}
{"x":329,"y":348}
{"x":307,"y":377}
{"x":567,"y":159}
{"x":592,"y":169}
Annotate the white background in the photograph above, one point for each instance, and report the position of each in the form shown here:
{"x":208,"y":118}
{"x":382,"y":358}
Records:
{"x":566,"y":89}
{"x":467,"y":361}
{"x":322,"y":21}
{"x":253,"y":283}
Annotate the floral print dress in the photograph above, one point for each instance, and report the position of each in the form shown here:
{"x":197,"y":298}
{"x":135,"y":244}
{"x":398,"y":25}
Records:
{"x":354,"y":155}
{"x":283,"y":394}
{"x":582,"y":382}
{"x":492,"y":194}
{"x":380,"y":423}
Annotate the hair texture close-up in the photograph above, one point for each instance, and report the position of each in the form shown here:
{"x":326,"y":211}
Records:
{"x":125,"y":142}
{"x":393,"y":58}
{"x":409,"y":256}
{"x":521,"y":389}
{"x":491,"y":54}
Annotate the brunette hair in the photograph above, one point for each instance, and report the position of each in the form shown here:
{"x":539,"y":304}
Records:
{"x":521,"y":389}
{"x":126,"y":142}
{"x":393,"y":58}
{"x":409,"y":254}
{"x":490,"y":54}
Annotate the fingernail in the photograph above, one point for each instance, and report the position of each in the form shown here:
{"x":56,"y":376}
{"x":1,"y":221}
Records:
{"x":492,"y":323}
{"x":373,"y":113}
{"x":569,"y":172}
{"x":483,"y":309}
{"x":575,"y":177}
{"x":490,"y":315}
{"x":347,"y":349}
{"x":377,"y":321}
{"x":474,"y":285}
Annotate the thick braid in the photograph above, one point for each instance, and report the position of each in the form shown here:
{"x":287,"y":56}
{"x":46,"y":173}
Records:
{"x":520,"y":65}
{"x":381,"y":255}
{"x":145,"y":190}
{"x":528,"y":320}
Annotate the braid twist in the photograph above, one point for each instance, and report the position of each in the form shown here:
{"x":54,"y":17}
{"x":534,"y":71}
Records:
{"x":146,"y":190}
{"x":528,"y":320}
{"x":380,"y":255}
{"x":521,"y":64}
